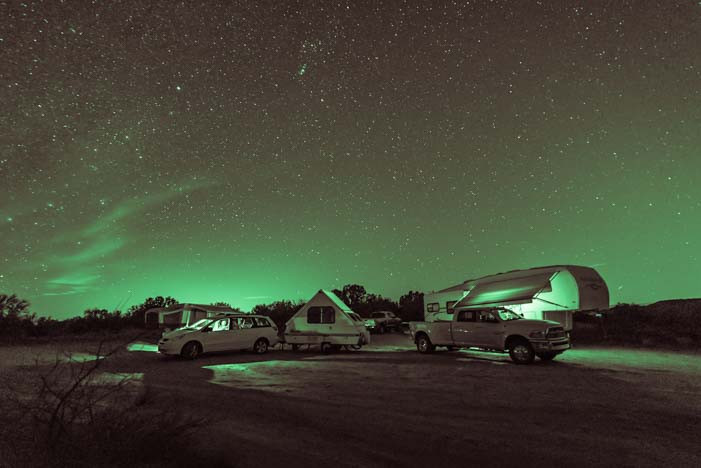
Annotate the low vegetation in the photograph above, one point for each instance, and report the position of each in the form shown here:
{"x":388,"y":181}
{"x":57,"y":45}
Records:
{"x":672,"y":324}
{"x":70,"y":413}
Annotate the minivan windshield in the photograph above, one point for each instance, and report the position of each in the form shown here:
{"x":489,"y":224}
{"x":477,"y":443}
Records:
{"x":200,"y":324}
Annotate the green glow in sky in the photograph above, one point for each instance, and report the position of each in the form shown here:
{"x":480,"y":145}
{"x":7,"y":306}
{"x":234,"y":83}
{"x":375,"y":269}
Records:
{"x":429,"y":145}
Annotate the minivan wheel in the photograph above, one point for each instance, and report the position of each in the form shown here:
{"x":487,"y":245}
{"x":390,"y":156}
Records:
{"x":191,"y":350}
{"x":521,"y":352}
{"x":424,"y":345}
{"x":260,"y":346}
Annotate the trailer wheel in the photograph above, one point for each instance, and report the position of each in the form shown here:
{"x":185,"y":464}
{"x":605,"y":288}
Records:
{"x":424,"y":345}
{"x":191,"y":350}
{"x":325,"y":347}
{"x":450,"y":348}
{"x":295,"y":347}
{"x":521,"y":352}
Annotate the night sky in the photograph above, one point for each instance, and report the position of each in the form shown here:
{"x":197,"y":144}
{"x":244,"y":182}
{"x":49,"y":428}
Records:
{"x":254,"y":151}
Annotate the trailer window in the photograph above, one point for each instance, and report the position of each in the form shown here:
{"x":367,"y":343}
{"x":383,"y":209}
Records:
{"x":321,"y":315}
{"x":433,"y":307}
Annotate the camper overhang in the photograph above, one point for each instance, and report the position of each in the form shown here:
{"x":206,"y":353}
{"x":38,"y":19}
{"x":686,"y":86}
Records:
{"x":505,"y":292}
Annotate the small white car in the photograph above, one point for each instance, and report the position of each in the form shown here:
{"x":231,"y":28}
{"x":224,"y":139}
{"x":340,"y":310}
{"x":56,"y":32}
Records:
{"x":220,"y":333}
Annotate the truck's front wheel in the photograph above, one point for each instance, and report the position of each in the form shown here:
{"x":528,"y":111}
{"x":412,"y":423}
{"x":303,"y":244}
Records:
{"x":424,"y":345}
{"x":521,"y":352}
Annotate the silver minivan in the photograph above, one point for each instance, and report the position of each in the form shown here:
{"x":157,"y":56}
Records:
{"x":220,"y":333}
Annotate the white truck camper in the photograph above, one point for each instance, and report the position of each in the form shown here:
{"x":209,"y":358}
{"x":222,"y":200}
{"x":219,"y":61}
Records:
{"x":541,"y":293}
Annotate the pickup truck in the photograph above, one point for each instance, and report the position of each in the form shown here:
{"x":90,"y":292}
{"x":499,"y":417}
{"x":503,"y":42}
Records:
{"x":382,"y":321}
{"x":493,"y":329}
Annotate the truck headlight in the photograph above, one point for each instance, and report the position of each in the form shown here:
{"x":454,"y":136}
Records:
{"x":537,"y":334}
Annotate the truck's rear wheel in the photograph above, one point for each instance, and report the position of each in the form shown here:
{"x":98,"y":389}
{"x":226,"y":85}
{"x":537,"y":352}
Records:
{"x":424,"y":345}
{"x":521,"y":352}
{"x":547,"y":356}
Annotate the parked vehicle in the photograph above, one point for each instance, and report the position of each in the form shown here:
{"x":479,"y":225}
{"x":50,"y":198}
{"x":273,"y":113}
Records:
{"x":183,"y":315}
{"x":542,"y":293}
{"x":382,"y":321}
{"x":493,"y":329}
{"x":327,"y":322}
{"x":220,"y":333}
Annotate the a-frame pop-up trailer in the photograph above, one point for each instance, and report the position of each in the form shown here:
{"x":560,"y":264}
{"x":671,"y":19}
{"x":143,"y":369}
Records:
{"x":327,"y":322}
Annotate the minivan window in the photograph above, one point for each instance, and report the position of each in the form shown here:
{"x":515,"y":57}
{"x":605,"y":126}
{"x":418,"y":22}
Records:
{"x":261,"y":322}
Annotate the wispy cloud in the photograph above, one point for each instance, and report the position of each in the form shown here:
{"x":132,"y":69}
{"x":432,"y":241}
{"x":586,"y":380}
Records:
{"x":78,"y":253}
{"x":73,"y":283}
{"x":99,"y":248}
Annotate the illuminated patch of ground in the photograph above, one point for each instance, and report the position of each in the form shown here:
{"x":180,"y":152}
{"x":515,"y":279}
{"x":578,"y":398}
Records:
{"x":272,"y":376}
{"x":139,"y":346}
{"x":624,"y":359}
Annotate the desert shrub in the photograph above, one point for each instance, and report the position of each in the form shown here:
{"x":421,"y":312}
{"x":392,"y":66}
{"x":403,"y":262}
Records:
{"x":68,"y":415}
{"x":279,"y":311}
{"x":666,"y":323}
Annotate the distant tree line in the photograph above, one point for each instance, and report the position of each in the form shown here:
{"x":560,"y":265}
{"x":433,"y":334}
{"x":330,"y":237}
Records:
{"x":409,"y":308}
{"x":16,"y":320}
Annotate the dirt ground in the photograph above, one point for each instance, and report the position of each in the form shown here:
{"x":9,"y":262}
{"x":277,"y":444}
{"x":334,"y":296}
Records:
{"x":387,"y":405}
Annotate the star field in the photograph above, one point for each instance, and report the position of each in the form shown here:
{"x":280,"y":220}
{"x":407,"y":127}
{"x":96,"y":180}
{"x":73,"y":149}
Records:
{"x":254,"y":151}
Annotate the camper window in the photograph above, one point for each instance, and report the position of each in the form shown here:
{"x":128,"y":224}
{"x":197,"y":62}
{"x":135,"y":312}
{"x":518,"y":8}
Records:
{"x":321,"y":315}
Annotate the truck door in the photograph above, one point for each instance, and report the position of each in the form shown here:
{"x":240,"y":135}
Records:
{"x":463,"y":328}
{"x":488,"y":330}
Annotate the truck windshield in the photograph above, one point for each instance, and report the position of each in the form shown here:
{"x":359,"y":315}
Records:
{"x":506,"y":315}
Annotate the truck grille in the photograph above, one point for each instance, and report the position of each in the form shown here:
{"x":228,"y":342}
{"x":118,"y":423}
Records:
{"x":556,"y":332}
